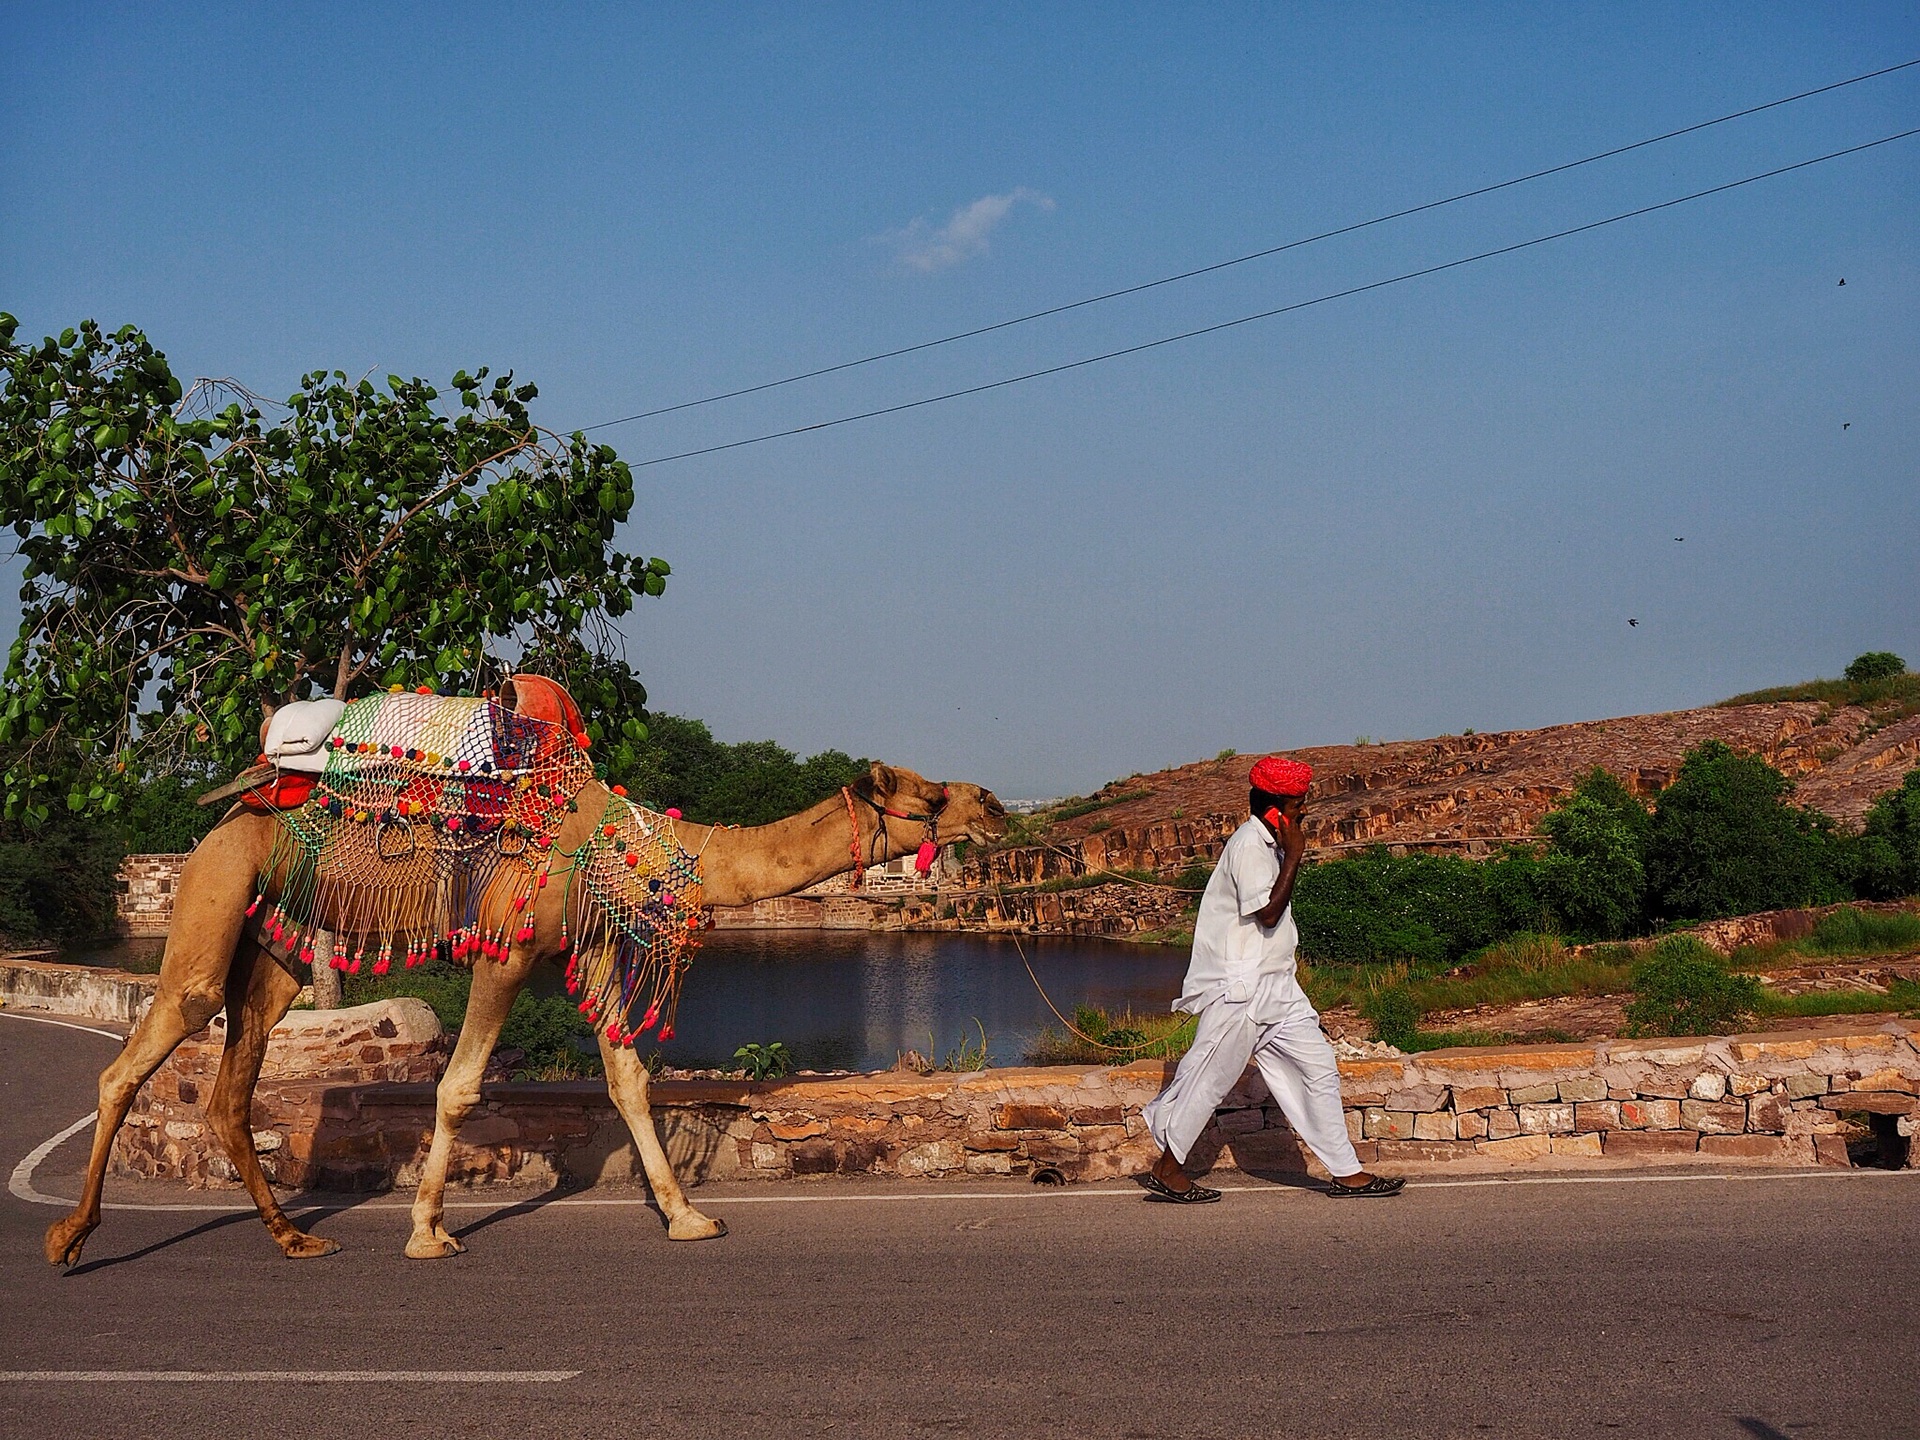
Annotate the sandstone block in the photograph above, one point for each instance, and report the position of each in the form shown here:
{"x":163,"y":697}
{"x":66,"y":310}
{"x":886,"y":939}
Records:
{"x":1747,"y":1084}
{"x":932,"y":1158}
{"x":1098,"y":1115}
{"x":1547,"y":1119}
{"x":1520,"y":1147}
{"x":1502,"y":1124}
{"x":1650,"y":1114}
{"x":990,"y":1164}
{"x":1536,"y":1094}
{"x":1434,"y":1125}
{"x":1649,"y":1144}
{"x":1713,"y":1118}
{"x":1392,"y":1151}
{"x":1236,"y":1122}
{"x":819,"y":1157}
{"x":1587,"y":1146}
{"x":1472,"y":1125}
{"x":1889,"y":1080}
{"x":1831,"y":1150}
{"x":1596,"y":1115}
{"x":1389,"y":1125}
{"x":1029,"y":1117}
{"x":1417,"y":1098}
{"x":1708,"y":1085}
{"x":1052,"y":1149}
{"x":1772,"y":1149}
{"x":1356,"y":1125}
{"x":991,"y":1141}
{"x":1576,"y":1088}
{"x":488,"y":1130}
{"x":1478,"y":1097}
{"x":795,"y":1127}
{"x":1102,"y":1137}
{"x":1866,"y":1102}
{"x":1768,"y":1113}
{"x":768,"y":1157}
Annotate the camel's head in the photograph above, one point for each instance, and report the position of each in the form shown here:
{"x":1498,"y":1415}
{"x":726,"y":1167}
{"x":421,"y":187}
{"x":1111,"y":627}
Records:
{"x":964,"y":812}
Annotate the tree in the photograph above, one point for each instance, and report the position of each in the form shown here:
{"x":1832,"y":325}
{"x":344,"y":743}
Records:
{"x":752,"y":782}
{"x":1724,"y":841}
{"x":190,"y":565}
{"x":1875,"y":665}
{"x":1594,"y":872}
{"x":1890,"y":843}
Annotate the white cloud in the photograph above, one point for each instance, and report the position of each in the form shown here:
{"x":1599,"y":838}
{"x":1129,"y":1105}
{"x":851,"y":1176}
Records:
{"x":927,"y":248}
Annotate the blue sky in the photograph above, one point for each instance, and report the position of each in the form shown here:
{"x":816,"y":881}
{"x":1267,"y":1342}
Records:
{"x":1415,"y":511}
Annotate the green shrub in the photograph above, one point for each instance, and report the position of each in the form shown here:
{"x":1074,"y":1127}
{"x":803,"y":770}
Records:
{"x":763,"y":1062}
{"x":1393,"y":1014}
{"x":1875,"y":665}
{"x":57,"y":882}
{"x":1890,"y":843}
{"x":1724,"y":841}
{"x":549,"y":1029}
{"x":1683,"y":988}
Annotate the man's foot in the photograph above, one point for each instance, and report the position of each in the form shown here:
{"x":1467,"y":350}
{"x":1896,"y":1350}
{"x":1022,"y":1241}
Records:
{"x":1365,"y":1186}
{"x":1167,"y":1181}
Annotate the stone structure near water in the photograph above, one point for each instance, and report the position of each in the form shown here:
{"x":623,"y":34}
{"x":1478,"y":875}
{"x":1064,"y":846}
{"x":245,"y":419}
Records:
{"x":346,"y":1102}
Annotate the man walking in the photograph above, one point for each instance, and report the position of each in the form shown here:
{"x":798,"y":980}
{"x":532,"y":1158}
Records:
{"x":1242,"y":985}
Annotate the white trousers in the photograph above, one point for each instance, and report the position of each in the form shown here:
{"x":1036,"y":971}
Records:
{"x":1295,"y":1060}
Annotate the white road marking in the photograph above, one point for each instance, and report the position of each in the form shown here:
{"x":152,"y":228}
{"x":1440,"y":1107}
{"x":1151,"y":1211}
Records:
{"x":292,"y":1377}
{"x":63,"y":1024}
{"x":20,"y":1183}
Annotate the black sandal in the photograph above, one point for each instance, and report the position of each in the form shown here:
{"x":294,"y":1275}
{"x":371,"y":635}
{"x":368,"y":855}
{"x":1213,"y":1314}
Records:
{"x":1158,"y":1189}
{"x":1379,"y":1185}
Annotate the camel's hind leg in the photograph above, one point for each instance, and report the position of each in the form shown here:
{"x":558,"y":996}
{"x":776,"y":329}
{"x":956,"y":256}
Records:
{"x":209,"y":910}
{"x":627,"y":1082}
{"x":494,"y":988}
{"x":259,"y":991}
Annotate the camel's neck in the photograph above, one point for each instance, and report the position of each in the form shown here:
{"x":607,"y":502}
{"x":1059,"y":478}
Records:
{"x":759,"y":862}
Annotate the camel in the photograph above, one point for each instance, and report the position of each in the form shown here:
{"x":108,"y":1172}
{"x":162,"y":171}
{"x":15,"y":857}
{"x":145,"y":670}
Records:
{"x":213,"y":960}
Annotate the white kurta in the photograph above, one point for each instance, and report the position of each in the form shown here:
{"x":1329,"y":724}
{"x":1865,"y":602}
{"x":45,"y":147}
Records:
{"x":1243,"y":986}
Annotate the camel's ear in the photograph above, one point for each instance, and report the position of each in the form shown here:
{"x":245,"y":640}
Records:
{"x":886,"y":780}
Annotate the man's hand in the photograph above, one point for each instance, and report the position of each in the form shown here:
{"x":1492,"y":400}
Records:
{"x":1292,"y":837}
{"x":1291,"y":841}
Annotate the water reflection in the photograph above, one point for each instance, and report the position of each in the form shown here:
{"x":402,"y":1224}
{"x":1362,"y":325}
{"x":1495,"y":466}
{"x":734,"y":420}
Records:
{"x":855,"y":1000}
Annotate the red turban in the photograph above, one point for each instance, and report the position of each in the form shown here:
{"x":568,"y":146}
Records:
{"x":1277,"y":775}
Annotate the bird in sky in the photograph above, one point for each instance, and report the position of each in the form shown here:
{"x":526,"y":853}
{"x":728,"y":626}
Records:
{"x":1633,"y":622}
{"x":1846,"y":424}
{"x":1679,"y":539}
{"x":1843,"y":279}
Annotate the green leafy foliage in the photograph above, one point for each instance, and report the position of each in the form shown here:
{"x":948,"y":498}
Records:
{"x":57,"y":881}
{"x":1875,"y":665}
{"x":753,"y":782}
{"x":1682,"y":987}
{"x":1393,"y":1014}
{"x":1592,"y":875}
{"x":1890,"y":842}
{"x":1724,"y":841}
{"x":1864,"y":932}
{"x":189,"y":559}
{"x":763,"y":1062}
{"x":1427,"y":909}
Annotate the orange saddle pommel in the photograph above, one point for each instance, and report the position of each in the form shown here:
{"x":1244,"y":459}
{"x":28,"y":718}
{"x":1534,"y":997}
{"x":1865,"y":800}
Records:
{"x":544,"y":699}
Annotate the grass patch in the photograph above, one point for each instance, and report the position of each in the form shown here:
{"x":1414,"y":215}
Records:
{"x":1086,"y":805}
{"x":1524,"y":967}
{"x":1087,"y":882}
{"x":1864,"y":932}
{"x":1887,"y":699}
{"x":1898,"y":999}
{"x":1155,"y":1036}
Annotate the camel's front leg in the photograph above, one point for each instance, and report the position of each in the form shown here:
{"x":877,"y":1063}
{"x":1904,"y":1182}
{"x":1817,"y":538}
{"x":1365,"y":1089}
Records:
{"x":627,"y":1083}
{"x":492,"y":996}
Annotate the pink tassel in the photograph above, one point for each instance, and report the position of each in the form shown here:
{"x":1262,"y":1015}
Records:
{"x":923,"y":862}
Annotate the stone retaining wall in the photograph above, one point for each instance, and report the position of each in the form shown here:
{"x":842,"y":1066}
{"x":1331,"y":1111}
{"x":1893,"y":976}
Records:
{"x":1777,"y":1099}
{"x":82,"y":991}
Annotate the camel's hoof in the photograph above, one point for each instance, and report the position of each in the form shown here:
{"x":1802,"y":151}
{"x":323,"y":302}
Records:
{"x":434,"y":1247}
{"x":309,"y":1247}
{"x":65,"y":1241}
{"x":695,"y":1226}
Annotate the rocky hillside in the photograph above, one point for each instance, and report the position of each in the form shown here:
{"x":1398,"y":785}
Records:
{"x":1464,"y":793}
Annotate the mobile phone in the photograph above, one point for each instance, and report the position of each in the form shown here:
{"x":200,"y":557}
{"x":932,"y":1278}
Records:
{"x":1272,"y":817}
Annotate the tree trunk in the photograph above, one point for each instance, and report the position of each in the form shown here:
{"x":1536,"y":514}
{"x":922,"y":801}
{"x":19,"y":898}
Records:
{"x":326,"y":979}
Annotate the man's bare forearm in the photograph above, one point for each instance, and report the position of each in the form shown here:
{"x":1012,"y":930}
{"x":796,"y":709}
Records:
{"x":1282,"y":893}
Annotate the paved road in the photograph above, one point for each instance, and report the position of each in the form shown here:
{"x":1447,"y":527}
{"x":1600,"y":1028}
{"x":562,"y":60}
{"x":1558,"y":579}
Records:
{"x":1700,"y":1308}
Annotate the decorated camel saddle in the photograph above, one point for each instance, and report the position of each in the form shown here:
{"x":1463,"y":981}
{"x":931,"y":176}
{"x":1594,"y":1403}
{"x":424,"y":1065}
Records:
{"x":431,"y":825}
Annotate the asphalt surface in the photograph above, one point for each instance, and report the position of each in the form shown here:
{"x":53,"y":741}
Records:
{"x":1697,"y":1307}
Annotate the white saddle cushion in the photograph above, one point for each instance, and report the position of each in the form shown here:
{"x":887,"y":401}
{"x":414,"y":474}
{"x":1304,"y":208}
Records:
{"x":297,"y":734}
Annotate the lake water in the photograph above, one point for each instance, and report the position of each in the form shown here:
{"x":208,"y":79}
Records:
{"x":855,"y":999}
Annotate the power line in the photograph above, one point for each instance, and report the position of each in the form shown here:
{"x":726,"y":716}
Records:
{"x":1277,"y":310}
{"x":1254,"y":255}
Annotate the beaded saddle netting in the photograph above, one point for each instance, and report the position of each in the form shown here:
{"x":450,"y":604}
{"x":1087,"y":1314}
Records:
{"x":433,"y":830}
